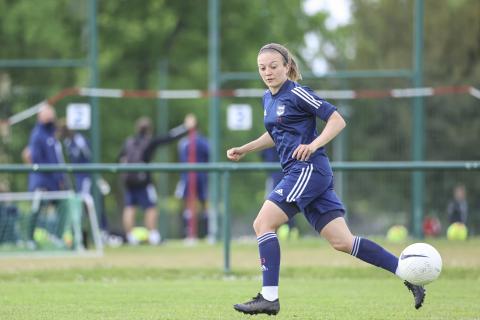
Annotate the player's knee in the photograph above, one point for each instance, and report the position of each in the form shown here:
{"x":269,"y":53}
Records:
{"x":340,"y":245}
{"x":257,"y":226}
{"x":261,"y":226}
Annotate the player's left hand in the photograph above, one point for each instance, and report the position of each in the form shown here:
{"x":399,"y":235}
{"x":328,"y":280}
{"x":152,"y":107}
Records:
{"x":303,"y":152}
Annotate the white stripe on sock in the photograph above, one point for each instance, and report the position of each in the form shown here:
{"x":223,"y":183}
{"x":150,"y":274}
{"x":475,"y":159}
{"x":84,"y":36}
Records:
{"x":353,"y":245}
{"x":356,"y":246}
{"x":274,"y":236}
{"x":266,"y":236}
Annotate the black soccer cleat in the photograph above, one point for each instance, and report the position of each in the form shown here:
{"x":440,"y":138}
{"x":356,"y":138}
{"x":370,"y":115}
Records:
{"x":258,"y":305}
{"x":418,"y":293}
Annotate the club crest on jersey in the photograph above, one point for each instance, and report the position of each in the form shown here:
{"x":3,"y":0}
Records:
{"x":280,"y":109}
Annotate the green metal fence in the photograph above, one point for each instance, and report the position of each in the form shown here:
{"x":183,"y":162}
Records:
{"x":225,"y":169}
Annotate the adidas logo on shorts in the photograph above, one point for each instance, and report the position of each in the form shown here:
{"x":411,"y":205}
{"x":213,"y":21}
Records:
{"x":279,"y":192}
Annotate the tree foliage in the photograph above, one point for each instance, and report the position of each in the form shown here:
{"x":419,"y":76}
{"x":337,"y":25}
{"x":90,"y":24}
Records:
{"x":133,"y":41}
{"x":135,"y":38}
{"x":381,"y":33}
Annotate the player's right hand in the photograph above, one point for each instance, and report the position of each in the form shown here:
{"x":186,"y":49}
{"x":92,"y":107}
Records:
{"x":234,"y":154}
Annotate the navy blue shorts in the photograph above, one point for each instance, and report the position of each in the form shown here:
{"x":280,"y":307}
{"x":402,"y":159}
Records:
{"x":307,"y":189}
{"x":145,"y":197}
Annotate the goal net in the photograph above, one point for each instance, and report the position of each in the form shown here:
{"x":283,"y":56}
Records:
{"x":43,"y":223}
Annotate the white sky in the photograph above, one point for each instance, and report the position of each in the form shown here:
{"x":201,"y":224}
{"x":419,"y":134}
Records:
{"x":339,"y":10}
{"x":339,"y":14}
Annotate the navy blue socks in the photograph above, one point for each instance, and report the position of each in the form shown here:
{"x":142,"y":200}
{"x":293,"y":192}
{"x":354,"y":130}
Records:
{"x":372,"y":253}
{"x":269,"y":249}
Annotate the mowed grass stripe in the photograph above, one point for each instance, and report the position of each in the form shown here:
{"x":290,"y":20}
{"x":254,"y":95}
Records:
{"x":180,"y":282}
{"x":310,"y":252}
{"x":112,"y":274}
{"x":338,"y":298}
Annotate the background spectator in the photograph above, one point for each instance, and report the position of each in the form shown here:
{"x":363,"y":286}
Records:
{"x":139,"y":189}
{"x":193,"y":186}
{"x":457,"y":208}
{"x":46,"y":149}
{"x":78,"y":151}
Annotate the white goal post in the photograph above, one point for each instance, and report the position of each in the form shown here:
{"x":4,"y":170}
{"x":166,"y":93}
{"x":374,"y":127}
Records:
{"x":46,"y":223}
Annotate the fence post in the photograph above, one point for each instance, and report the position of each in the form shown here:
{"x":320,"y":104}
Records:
{"x":226,"y":220}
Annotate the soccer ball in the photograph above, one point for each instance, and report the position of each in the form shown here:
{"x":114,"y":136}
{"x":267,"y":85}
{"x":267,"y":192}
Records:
{"x":41,"y":236}
{"x":457,"y":231}
{"x":397,"y":234}
{"x":419,"y":264}
{"x":140,"y":234}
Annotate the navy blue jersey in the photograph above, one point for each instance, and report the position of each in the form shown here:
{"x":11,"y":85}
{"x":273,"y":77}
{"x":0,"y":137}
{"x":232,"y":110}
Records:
{"x":45,"y":148}
{"x":290,"y":119}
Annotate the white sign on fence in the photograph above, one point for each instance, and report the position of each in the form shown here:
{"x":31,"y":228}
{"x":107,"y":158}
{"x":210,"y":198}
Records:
{"x":78,"y":116}
{"x":239,"y":117}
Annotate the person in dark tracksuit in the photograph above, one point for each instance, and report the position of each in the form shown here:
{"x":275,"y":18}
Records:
{"x":44,"y":148}
{"x":139,"y":189}
{"x":290,"y":112}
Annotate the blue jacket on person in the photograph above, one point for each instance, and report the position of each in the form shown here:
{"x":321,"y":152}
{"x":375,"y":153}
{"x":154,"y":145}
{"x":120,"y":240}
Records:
{"x":78,"y":151}
{"x":201,"y":147}
{"x":46,"y":149}
{"x":202,"y":151}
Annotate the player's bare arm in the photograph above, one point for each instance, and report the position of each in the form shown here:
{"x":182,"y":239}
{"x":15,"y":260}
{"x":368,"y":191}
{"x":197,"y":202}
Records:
{"x":262,"y":142}
{"x":334,"y":126}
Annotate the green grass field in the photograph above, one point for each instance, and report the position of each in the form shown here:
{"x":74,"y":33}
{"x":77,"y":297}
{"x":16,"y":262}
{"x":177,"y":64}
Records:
{"x":175,"y":281}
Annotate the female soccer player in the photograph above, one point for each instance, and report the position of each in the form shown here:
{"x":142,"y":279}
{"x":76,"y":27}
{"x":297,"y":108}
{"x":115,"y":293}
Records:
{"x":290,"y":113}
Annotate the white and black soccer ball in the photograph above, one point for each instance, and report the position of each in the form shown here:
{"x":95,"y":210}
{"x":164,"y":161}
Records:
{"x":419,"y":264}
